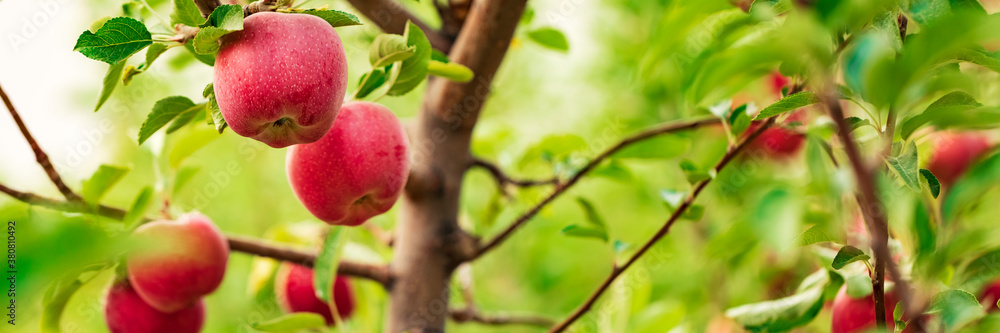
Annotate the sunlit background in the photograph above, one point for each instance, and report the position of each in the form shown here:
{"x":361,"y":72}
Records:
{"x":548,"y":110}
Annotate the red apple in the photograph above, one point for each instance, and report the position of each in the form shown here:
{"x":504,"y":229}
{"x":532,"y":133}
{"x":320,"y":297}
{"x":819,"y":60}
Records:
{"x":126,"y":312}
{"x":356,"y":171}
{"x":294,"y":288}
{"x":281,"y":79}
{"x":852,"y":315}
{"x":990,"y":296}
{"x":776,"y":82}
{"x":178,"y":261}
{"x":777,"y":142}
{"x":954,"y":153}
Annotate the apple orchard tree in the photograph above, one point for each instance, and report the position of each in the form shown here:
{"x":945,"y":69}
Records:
{"x":887,"y":105}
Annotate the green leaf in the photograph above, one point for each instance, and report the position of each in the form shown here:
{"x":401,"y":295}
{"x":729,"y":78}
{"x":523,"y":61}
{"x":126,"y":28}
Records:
{"x":451,"y":71}
{"x":897,"y":316}
{"x":186,"y":13}
{"x":847,"y":255}
{"x":118,"y":39}
{"x":226,"y":17}
{"x":814,"y":235}
{"x":183,"y":176}
{"x":325,"y":269}
{"x":968,"y":190}
{"x":956,"y":308}
{"x":207,"y":40}
{"x":154,"y":51}
{"x":932,"y":182}
{"x":103,"y":179}
{"x":369,"y":82}
{"x":111,"y":79}
{"x":739,"y":120}
{"x":185,"y":117}
{"x":437,"y":55}
{"x":163,"y":112}
{"x":990,"y":60}
{"x":138,"y":208}
{"x":906,"y":166}
{"x":577,"y":230}
{"x":59,"y":292}
{"x":223,"y":20}
{"x":926,"y":11}
{"x":945,"y":110}
{"x":216,"y":115}
{"x":336,"y":18}
{"x":132,"y":9}
{"x":387,"y":49}
{"x":923,"y":230}
{"x":781,"y":314}
{"x":550,"y":38}
{"x":208,"y":59}
{"x":292,"y":322}
{"x":414,"y":69}
{"x":855,"y":123}
{"x":693,"y":172}
{"x":592,"y":215}
{"x":789,"y":103}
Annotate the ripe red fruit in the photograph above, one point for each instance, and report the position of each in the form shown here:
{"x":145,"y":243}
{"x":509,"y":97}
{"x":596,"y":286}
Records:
{"x":778,"y":142}
{"x":954,"y":153}
{"x":281,"y":79}
{"x":990,"y":296}
{"x":126,"y":312}
{"x":294,"y":288}
{"x":776,"y":82}
{"x":356,"y":171}
{"x":179,"y":261}
{"x":852,"y":315}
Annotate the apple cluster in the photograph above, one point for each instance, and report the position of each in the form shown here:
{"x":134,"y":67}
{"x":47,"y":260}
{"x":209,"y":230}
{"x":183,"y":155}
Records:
{"x":281,"y":81}
{"x":175,"y":265}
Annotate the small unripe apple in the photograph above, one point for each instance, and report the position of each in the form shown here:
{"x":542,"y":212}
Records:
{"x":851,"y":315}
{"x":126,"y":312}
{"x":293,"y":286}
{"x":356,"y":171}
{"x":178,"y":261}
{"x":990,"y":296}
{"x":281,"y":79}
{"x":954,"y":153}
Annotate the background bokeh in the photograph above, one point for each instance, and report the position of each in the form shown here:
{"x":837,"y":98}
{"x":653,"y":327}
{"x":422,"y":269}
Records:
{"x":549,"y":111}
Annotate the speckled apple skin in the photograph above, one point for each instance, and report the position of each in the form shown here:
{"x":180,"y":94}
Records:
{"x":281,"y":66}
{"x":954,"y":153}
{"x":178,"y":262}
{"x":126,"y":312}
{"x":855,"y":315}
{"x":356,"y":171}
{"x":294,"y":288}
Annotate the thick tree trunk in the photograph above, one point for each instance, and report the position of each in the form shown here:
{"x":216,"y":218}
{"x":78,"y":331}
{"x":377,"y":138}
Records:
{"x":429,"y":243}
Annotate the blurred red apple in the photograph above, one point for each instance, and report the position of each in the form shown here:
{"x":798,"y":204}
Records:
{"x":179,"y":261}
{"x":126,"y":312}
{"x":282,"y":79}
{"x":776,"y":82}
{"x":356,"y":171}
{"x":990,"y":296}
{"x":852,"y":315}
{"x":954,"y":153}
{"x":294,"y":288}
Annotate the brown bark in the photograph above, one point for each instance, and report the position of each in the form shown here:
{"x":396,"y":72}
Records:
{"x":429,"y":243}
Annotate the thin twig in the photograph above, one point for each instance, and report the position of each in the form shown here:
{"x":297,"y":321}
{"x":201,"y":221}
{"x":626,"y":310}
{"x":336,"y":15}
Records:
{"x":464,"y":315}
{"x":240,"y":244}
{"x":207,"y":6}
{"x":618,"y":270}
{"x":40,"y":156}
{"x":653,"y":132}
{"x":503,"y":180}
{"x":874,"y":213}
